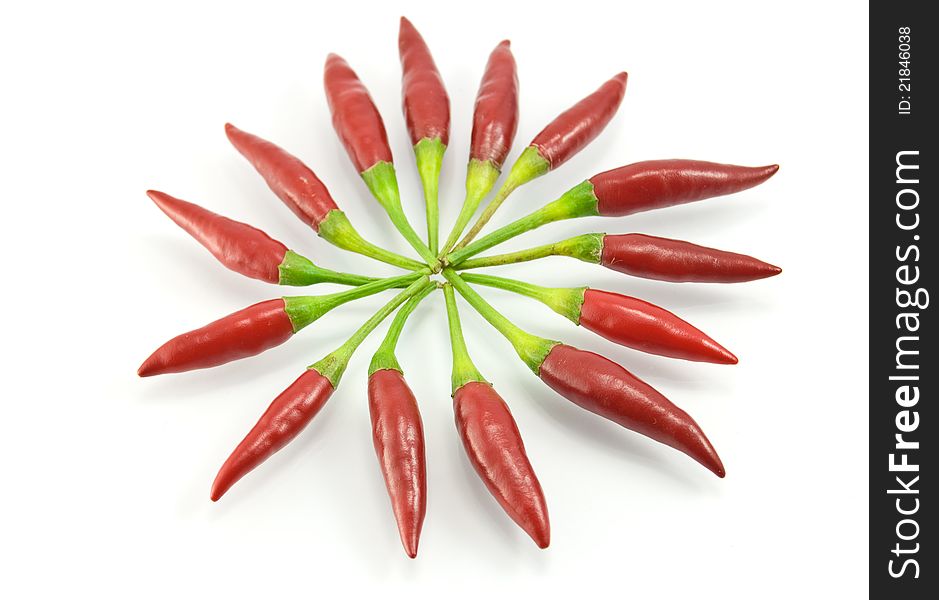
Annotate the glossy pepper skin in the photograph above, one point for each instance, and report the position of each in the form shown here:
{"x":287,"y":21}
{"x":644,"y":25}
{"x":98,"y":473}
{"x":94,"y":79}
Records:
{"x":244,"y":333}
{"x":644,"y":326}
{"x":603,"y":387}
{"x":678,"y":261}
{"x":355,"y":116}
{"x":579,"y":125}
{"x":239,"y":246}
{"x":424,"y":99}
{"x":497,"y":453}
{"x":495,"y":116}
{"x":286,"y":417}
{"x":627,"y":321}
{"x":291,"y":180}
{"x":398,"y":436}
{"x":661,"y":183}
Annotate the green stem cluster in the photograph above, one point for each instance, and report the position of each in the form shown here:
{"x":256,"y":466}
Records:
{"x":530,"y":164}
{"x":530,"y":348}
{"x":383,"y":183}
{"x":579,"y":201}
{"x":384,"y":357}
{"x":338,"y":231}
{"x":303,"y":310}
{"x":480,"y":177}
{"x":334,"y":364}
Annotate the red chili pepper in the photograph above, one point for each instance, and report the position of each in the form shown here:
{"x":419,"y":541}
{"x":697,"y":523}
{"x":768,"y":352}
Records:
{"x":253,"y":330}
{"x":626,"y":190}
{"x":296,"y":406}
{"x":286,"y":417}
{"x":398,"y":435}
{"x":674,"y":260}
{"x":622,"y":319}
{"x":495,"y":117}
{"x":599,"y":385}
{"x":607,"y":389}
{"x":300,"y":189}
{"x":564,"y":137}
{"x":246,"y":249}
{"x":355,"y":117}
{"x":241,"y":334}
{"x":291,"y":180}
{"x":644,"y":326}
{"x":239,"y":246}
{"x":495,"y":449}
{"x":424,"y":97}
{"x":660,"y":183}
{"x":491,"y":438}
{"x":576,"y":127}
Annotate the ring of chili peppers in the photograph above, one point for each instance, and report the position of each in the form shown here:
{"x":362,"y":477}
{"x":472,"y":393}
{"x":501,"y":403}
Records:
{"x":484,"y":422}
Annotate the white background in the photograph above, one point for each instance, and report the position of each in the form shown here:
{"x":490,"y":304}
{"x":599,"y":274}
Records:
{"x":106,"y":476}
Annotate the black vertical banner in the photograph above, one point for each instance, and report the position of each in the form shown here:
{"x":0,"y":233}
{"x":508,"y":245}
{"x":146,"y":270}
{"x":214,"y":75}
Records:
{"x":904,"y":370}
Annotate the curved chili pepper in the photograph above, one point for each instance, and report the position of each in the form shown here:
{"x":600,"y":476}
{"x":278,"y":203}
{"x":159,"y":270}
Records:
{"x":239,"y":246}
{"x":599,"y":385}
{"x":398,"y":432}
{"x":660,"y":183}
{"x":246,"y":249}
{"x":495,"y":122}
{"x":607,"y":389}
{"x":645,"y":256}
{"x":674,"y":260}
{"x":579,"y":125}
{"x":427,"y":114}
{"x":495,"y":116}
{"x":284,"y":419}
{"x":644,"y":326}
{"x":296,"y":406}
{"x":424,"y":98}
{"x":495,"y":449}
{"x":491,"y":439}
{"x":398,"y":435}
{"x":291,"y":180}
{"x":362,"y":131}
{"x":355,"y":116}
{"x":626,"y":190}
{"x":252,"y":330}
{"x":244,"y":333}
{"x":561,"y":139}
{"x":302,"y":191}
{"x":627,"y":321}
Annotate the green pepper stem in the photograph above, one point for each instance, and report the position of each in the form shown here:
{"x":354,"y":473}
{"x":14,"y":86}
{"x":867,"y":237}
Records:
{"x":384,"y":357}
{"x":564,"y":301}
{"x":464,"y":371}
{"x":383,"y":183}
{"x":303,"y":310}
{"x":587,"y":247}
{"x":298,"y":270}
{"x":480,"y":177}
{"x":530,"y":348}
{"x":429,"y":156}
{"x":338,"y":231}
{"x":579,"y":201}
{"x":529,"y":165}
{"x":334,"y":364}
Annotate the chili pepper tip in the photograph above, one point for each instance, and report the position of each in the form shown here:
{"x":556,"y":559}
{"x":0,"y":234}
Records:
{"x":721,"y":355}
